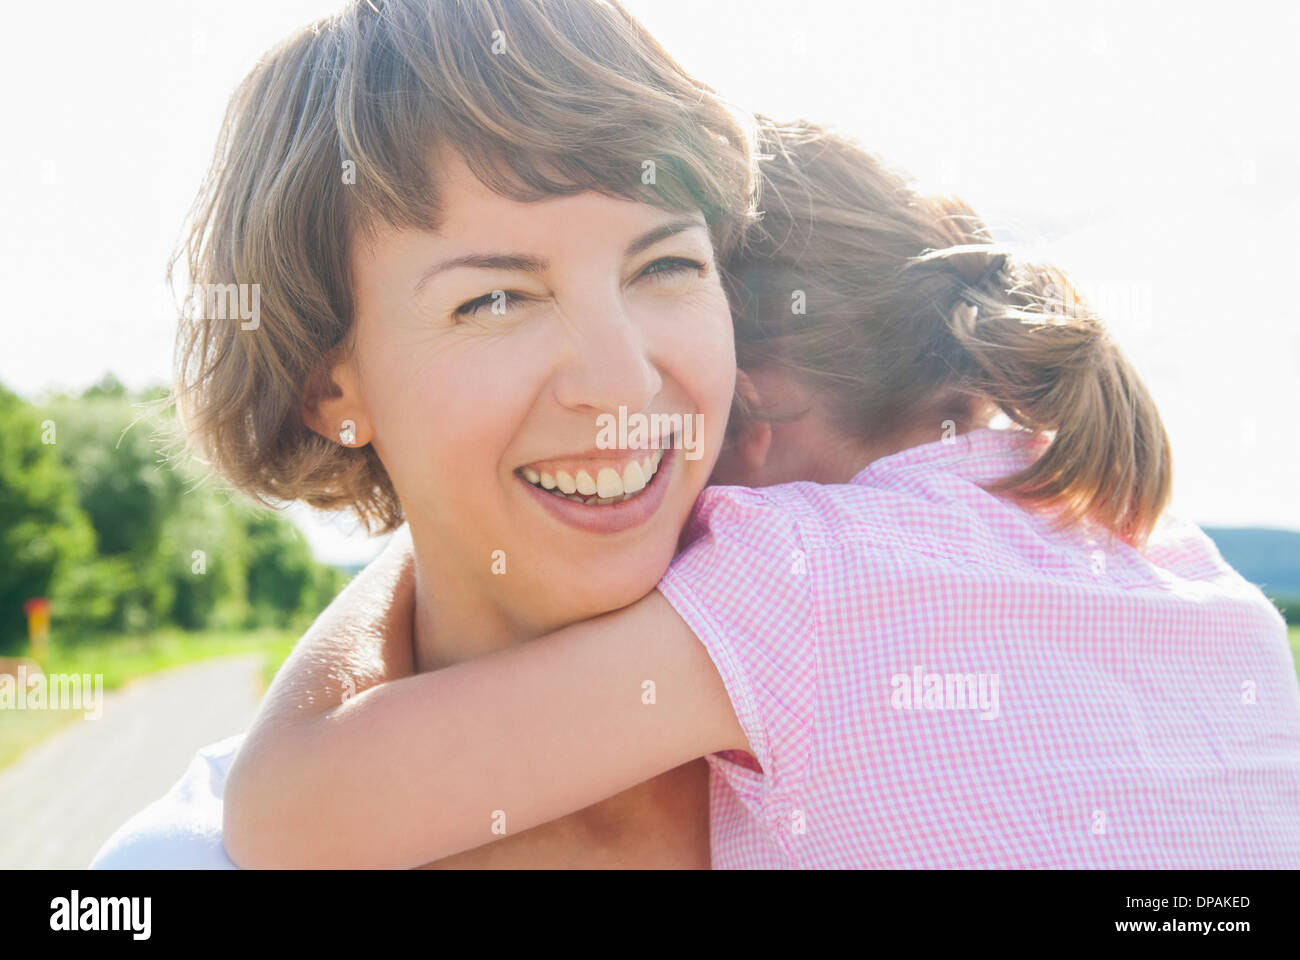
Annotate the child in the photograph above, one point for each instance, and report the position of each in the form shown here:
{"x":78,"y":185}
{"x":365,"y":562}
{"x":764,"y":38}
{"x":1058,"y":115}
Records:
{"x":912,"y":641}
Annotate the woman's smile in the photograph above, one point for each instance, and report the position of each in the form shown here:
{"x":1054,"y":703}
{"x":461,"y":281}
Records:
{"x":592,"y":481}
{"x":604,"y":492}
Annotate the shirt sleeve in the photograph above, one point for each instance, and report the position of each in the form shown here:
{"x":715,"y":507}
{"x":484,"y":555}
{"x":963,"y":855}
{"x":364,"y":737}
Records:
{"x":743,"y":585}
{"x":182,"y":829}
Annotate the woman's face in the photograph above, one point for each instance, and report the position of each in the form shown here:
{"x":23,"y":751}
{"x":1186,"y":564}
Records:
{"x":485,"y":354}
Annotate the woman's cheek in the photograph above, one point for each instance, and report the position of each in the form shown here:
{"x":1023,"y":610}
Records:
{"x":712,"y":359}
{"x":698,"y":358}
{"x":697,"y":330}
{"x":415,"y":412}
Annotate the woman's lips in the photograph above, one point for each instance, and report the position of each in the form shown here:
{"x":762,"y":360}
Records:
{"x":609,"y":517}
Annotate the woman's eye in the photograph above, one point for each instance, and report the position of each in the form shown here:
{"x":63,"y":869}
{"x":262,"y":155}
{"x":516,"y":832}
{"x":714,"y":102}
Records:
{"x":672,"y":266}
{"x":501,"y":301}
{"x":498,"y":301}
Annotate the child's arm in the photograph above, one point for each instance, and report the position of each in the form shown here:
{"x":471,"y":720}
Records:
{"x":427,"y":766}
{"x":362,"y":639}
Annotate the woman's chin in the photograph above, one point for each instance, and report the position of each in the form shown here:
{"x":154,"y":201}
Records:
{"x":592,"y":593}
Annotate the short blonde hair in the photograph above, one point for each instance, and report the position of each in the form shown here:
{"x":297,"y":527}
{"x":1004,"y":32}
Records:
{"x":541,"y":97}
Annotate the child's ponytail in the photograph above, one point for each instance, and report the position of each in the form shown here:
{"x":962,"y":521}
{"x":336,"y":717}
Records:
{"x":1029,"y":344}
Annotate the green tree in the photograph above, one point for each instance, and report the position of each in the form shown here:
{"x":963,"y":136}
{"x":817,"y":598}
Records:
{"x":127,"y":491}
{"x":204,"y":557}
{"x":280,"y":568}
{"x":173,"y":545}
{"x":122,"y":482}
{"x":44,"y":535}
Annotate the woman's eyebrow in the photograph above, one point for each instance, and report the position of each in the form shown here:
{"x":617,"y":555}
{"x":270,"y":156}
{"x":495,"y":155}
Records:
{"x":661,"y":232}
{"x":481,"y":261}
{"x":527,"y":264}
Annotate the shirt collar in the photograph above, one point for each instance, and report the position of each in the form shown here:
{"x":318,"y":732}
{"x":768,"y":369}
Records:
{"x":1003,"y":450}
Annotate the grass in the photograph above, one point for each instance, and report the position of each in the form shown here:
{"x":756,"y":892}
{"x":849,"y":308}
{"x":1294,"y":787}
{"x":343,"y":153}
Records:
{"x":278,"y":652}
{"x":122,"y":659}
{"x":1293,"y":631}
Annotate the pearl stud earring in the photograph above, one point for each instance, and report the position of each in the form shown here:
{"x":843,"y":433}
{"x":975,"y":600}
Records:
{"x":348,"y":433}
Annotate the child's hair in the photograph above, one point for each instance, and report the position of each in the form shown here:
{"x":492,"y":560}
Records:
{"x":331,"y":133}
{"x":914,"y":316}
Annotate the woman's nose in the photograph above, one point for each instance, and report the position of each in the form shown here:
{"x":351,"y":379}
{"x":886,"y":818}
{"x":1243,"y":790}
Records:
{"x":609,"y":365}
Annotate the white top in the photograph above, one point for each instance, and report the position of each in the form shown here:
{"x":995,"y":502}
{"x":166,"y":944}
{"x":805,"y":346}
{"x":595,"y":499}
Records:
{"x":182,"y":829}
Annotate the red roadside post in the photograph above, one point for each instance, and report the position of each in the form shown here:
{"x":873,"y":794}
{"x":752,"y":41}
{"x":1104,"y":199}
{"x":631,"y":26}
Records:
{"x":38,"y":626}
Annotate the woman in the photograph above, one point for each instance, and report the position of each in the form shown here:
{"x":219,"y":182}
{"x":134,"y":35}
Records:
{"x":381,"y":176}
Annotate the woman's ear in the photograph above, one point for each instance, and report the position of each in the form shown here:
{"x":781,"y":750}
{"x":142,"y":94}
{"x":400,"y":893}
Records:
{"x":753,"y":438}
{"x":332,"y":404}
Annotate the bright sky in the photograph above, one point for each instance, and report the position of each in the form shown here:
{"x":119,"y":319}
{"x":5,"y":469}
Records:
{"x":1150,"y":149}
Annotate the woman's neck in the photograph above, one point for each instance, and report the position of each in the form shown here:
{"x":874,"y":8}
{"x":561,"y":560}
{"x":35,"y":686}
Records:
{"x":453,"y":621}
{"x":463,"y":613}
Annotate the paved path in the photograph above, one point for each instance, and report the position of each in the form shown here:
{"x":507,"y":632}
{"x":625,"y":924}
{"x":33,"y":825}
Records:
{"x":65,"y":796}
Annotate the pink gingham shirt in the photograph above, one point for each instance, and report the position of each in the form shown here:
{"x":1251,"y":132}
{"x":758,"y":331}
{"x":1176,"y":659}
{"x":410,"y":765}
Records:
{"x":1145,"y":711}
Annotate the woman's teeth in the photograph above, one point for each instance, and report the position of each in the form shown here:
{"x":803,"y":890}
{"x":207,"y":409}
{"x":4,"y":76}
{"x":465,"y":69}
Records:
{"x":608,"y":486}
